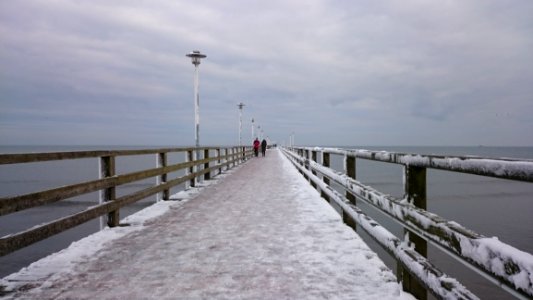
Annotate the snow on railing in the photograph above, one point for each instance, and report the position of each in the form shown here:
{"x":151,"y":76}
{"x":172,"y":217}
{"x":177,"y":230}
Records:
{"x":503,"y":264}
{"x":506,"y":168}
{"x":441,"y":285}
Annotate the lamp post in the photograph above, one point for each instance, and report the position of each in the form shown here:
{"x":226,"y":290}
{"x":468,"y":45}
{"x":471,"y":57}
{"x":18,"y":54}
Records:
{"x":293,"y":142}
{"x":240,"y":106}
{"x":195,"y":57}
{"x":253,"y":137}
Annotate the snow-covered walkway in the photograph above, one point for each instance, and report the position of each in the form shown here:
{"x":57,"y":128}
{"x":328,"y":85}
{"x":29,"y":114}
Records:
{"x":260,"y":233}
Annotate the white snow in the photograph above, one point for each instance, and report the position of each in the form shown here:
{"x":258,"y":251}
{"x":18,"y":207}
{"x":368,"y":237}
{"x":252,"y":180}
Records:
{"x":502,"y":167}
{"x":402,"y":250}
{"x":497,"y":167}
{"x":261,"y":233}
{"x":503,"y":260}
{"x":494,"y":255}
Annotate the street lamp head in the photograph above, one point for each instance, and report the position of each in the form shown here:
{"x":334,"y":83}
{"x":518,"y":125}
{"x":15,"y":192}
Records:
{"x":240,"y":105}
{"x":196,"y":56}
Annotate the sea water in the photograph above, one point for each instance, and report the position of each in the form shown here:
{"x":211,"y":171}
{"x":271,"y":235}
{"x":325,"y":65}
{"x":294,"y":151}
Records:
{"x":486,"y":205}
{"x":489,"y":206}
{"x":19,"y":179}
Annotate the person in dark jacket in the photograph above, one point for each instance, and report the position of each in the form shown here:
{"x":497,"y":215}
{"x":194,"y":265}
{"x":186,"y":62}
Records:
{"x":256,"y":147}
{"x":263,"y":147}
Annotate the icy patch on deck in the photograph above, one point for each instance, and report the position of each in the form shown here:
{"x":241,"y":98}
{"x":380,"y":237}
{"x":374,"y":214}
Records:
{"x":61,"y":264}
{"x":261,"y":233}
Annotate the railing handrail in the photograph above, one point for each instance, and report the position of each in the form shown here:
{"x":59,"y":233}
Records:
{"x":460,"y":242}
{"x":440,"y":284}
{"x":17,"y":158}
{"x":21,"y":202}
{"x":16,"y":241}
{"x":504,"y":168}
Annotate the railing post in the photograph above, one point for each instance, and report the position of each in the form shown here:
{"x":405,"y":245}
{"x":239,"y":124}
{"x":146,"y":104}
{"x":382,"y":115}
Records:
{"x":162,"y":162}
{"x":313,"y":158}
{"x":192,"y":169}
{"x":306,"y":156}
{"x":349,"y":168}
{"x":230,"y":158}
{"x":325,"y":163}
{"x":207,"y":175}
{"x":300,"y":154}
{"x":107,"y":169}
{"x":219,"y":161}
{"x":198,"y":167}
{"x":226,"y":150}
{"x":415,"y":191}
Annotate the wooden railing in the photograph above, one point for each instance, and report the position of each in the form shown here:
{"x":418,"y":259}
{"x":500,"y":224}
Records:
{"x":504,"y":265}
{"x":226,"y":157}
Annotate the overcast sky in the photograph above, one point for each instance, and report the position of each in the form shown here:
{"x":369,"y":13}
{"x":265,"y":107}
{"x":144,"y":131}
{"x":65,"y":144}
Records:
{"x":407,"y":72}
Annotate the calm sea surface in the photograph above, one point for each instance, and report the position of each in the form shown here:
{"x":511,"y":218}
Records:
{"x":489,"y":206}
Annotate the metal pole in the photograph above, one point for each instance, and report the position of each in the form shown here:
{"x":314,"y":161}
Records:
{"x":196,"y":56}
{"x":253,"y":137}
{"x":240,"y":105}
{"x":290,"y":141}
{"x":293,"y":142}
{"x":196,"y":108}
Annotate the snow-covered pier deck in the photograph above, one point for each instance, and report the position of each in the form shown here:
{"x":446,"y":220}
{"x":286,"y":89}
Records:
{"x":260,"y":233}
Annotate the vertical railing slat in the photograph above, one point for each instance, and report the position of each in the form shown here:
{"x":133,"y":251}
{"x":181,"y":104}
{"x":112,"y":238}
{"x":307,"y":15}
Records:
{"x":207,"y":175}
{"x":349,"y":168}
{"x":325,"y":163}
{"x":162,"y":162}
{"x":415,"y":192}
{"x":107,"y":169}
{"x":219,"y":160}
{"x":306,"y":156}
{"x":313,"y":158}
{"x":192,"y":169}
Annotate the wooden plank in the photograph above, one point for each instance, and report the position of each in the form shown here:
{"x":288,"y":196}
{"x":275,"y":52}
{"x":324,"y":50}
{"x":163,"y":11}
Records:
{"x":162,"y":162}
{"x":107,"y":170}
{"x":207,"y":175}
{"x":448,"y":235}
{"x":504,"y":168}
{"x":439,"y":283}
{"x":415,"y":192}
{"x":219,"y":160}
{"x":51,"y":156}
{"x":349,"y":168}
{"x":325,"y":163}
{"x":190,"y":158}
{"x":17,"y":203}
{"x":19,"y":240}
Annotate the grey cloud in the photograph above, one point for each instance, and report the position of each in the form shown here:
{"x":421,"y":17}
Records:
{"x":316,"y":67}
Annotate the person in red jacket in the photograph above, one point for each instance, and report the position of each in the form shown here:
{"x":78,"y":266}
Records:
{"x":256,"y":147}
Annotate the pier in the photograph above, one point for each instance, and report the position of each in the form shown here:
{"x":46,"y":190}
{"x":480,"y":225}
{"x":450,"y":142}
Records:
{"x":256,"y":228}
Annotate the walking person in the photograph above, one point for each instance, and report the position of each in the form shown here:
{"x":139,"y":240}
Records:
{"x":256,"y":147}
{"x":263,"y":147}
